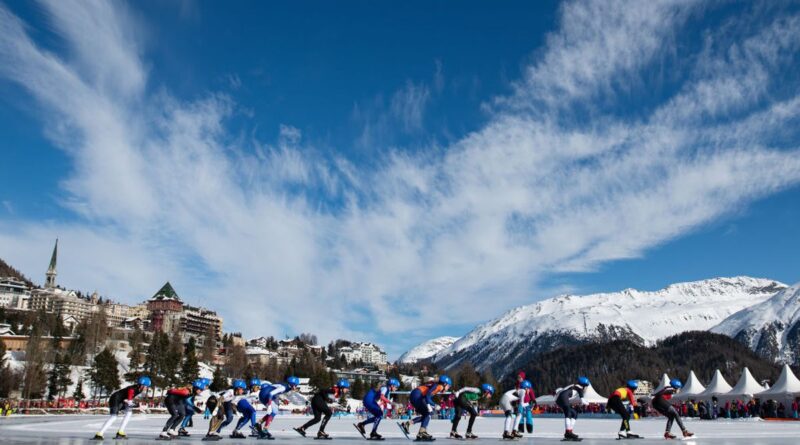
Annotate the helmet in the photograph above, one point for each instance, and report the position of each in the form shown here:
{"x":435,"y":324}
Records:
{"x":487,"y":388}
{"x":144,"y":381}
{"x":632,"y":384}
{"x":293,"y":381}
{"x":199,"y":384}
{"x":393,"y":382}
{"x":206,"y":381}
{"x":255,"y":382}
{"x":526,"y":384}
{"x":239,"y":384}
{"x":343,"y":383}
{"x":583,"y":381}
{"x":675,"y":383}
{"x":445,"y":380}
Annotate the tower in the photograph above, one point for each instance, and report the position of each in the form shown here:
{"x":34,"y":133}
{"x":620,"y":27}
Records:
{"x":50,"y":280}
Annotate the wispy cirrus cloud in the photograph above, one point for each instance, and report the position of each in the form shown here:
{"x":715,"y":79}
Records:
{"x":534,"y":192}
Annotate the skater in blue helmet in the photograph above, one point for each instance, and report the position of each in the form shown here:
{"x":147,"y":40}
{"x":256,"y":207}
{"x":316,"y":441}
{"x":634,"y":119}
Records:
{"x":563,"y":397}
{"x":615,"y":403}
{"x":422,"y":400}
{"x":661,"y":403}
{"x":465,"y":400}
{"x":376,"y":401}
{"x":123,"y":399}
{"x":268,"y":397}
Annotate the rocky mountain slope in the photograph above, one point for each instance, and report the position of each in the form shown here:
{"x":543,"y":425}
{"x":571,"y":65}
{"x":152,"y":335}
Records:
{"x":770,"y":328}
{"x":506,"y":343}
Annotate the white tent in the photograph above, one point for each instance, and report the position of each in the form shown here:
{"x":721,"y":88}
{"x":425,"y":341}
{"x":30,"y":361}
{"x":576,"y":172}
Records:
{"x":787,"y":386}
{"x":717,"y":387}
{"x":745,"y":387}
{"x":662,"y":384}
{"x":691,"y":388}
{"x":591,"y":396}
{"x":546,"y":400}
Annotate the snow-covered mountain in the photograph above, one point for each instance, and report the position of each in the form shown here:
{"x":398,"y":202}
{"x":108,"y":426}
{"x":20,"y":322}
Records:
{"x":770,"y":328}
{"x":508,"y":342}
{"x":427,"y":350}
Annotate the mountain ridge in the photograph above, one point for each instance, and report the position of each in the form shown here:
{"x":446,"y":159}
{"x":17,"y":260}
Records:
{"x":641,"y":317}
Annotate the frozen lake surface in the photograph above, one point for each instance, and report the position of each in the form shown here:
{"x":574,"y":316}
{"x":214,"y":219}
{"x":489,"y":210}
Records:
{"x":144,"y":428}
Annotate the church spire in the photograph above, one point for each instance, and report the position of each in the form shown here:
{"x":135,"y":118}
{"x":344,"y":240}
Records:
{"x":50,"y":281}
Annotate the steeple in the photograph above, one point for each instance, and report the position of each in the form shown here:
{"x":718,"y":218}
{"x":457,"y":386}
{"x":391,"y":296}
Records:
{"x":50,"y":281}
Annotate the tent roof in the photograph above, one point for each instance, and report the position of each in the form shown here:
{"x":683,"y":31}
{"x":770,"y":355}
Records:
{"x":787,"y":384}
{"x":591,"y":396}
{"x":745,"y":387}
{"x":716,"y":387}
{"x":691,"y":388}
{"x":546,"y":400}
{"x":662,"y":383}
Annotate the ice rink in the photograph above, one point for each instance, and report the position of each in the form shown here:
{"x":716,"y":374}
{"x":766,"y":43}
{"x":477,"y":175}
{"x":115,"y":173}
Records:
{"x":144,"y":428}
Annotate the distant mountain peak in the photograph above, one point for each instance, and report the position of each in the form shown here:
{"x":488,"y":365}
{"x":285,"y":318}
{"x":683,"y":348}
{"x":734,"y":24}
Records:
{"x":643,"y":317}
{"x":770,"y":328}
{"x":426,"y":350}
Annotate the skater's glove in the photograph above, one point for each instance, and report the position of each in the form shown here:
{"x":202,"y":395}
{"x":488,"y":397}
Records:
{"x":584,"y":402}
{"x":130,"y":402}
{"x":197,"y":410}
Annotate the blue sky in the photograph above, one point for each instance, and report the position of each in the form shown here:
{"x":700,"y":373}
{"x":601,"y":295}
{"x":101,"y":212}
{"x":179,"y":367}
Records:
{"x":358,"y":168}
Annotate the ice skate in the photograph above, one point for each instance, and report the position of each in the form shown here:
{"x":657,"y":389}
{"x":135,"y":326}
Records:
{"x":361,"y":430}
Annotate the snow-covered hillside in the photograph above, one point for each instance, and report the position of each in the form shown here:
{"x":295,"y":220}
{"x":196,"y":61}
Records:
{"x":770,"y":328}
{"x":644,"y":317}
{"x":427,"y":349}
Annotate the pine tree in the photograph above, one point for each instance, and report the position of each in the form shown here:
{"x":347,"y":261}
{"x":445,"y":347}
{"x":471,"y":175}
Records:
{"x":357,"y":389}
{"x":190,"y":368}
{"x":155,"y":359}
{"x":52,"y":384}
{"x":63,"y":374}
{"x":172,"y":360}
{"x":103,"y":373}
{"x":219,"y":382}
{"x":78,"y":394}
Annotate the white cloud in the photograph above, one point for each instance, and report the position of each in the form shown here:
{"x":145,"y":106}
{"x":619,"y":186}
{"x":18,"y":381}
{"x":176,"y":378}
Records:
{"x":280,"y":238}
{"x":408,"y":105}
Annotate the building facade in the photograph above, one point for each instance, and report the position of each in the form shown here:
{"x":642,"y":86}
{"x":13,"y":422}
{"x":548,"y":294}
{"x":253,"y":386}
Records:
{"x":368,"y":353}
{"x":14,"y":294}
